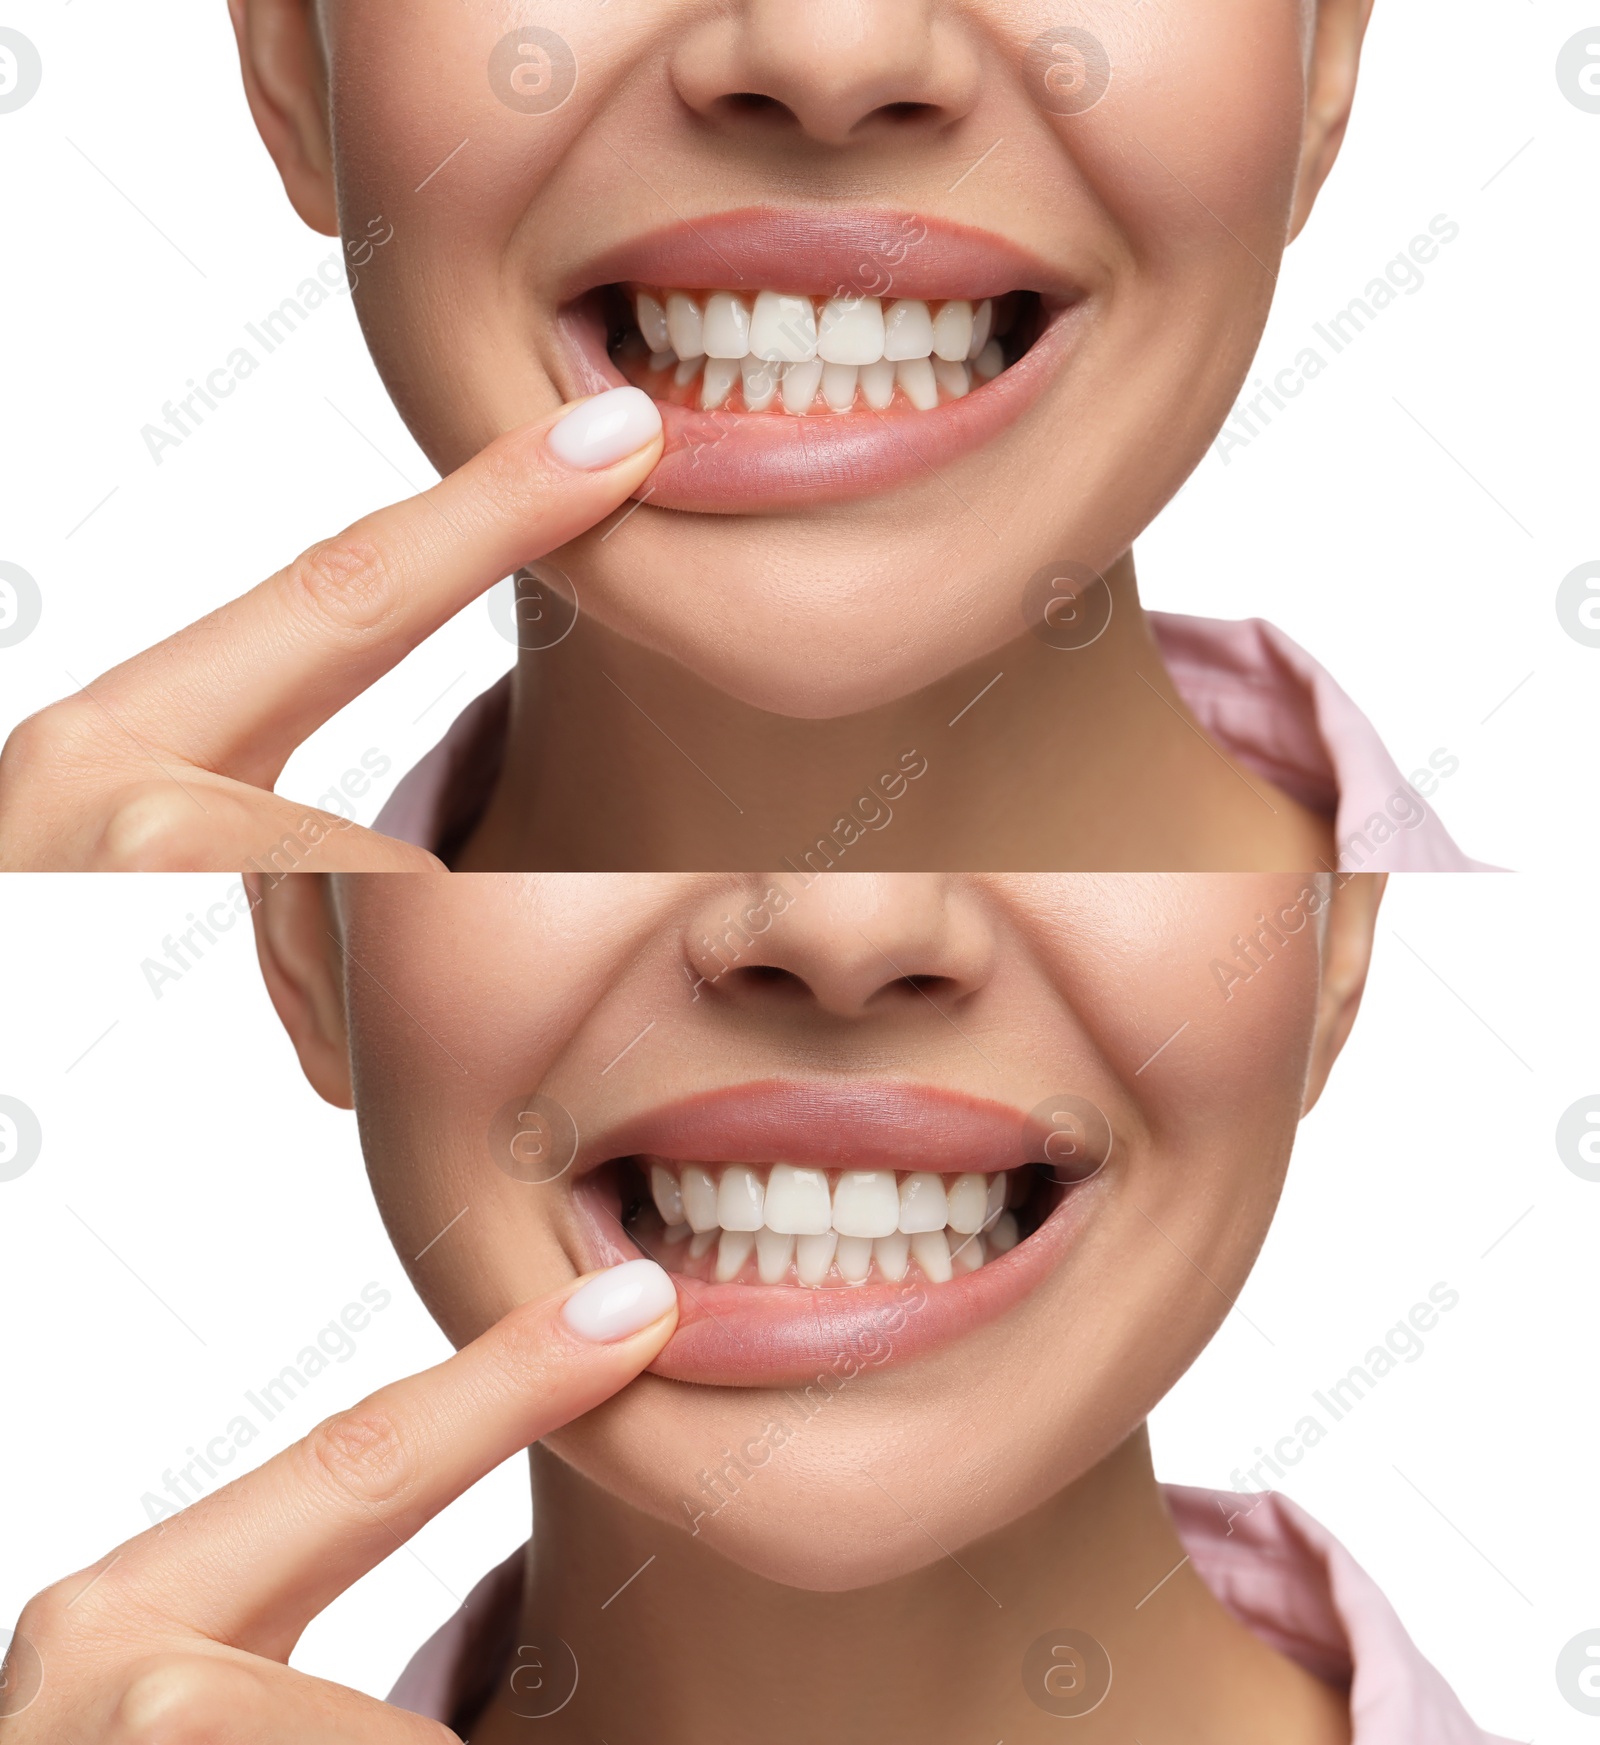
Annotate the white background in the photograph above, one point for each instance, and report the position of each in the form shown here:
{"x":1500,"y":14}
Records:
{"x":185,"y":1160}
{"x":1352,"y":522}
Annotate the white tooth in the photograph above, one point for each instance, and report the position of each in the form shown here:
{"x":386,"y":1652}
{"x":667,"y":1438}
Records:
{"x":952,"y":331}
{"x":783,"y":329}
{"x":663,"y":360}
{"x":995,"y":1200}
{"x":664,"y":1191}
{"x":800,"y":384}
{"x":877,"y":384}
{"x":851,"y":331}
{"x":969,"y":1195}
{"x":760,"y":383}
{"x":953,"y":378}
{"x":989,"y":362}
{"x":982,"y":325}
{"x":699,"y":1197}
{"x":813,"y":1255}
{"x":923,"y":1205}
{"x":652,"y":322}
{"x":797,"y":1201}
{"x":675,"y":1233}
{"x":739,"y":1198}
{"x":907,"y":330}
{"x":839,"y":385}
{"x":721,"y":374}
{"x":892,"y":1255}
{"x":966,"y":1254}
{"x":916,"y":379}
{"x":1005,"y":1235}
{"x":866,"y":1203}
{"x":703,"y":1239}
{"x":931,"y":1251}
{"x":733,"y":1251}
{"x":688,"y":368}
{"x":774,"y":1256}
{"x":685,"y":326}
{"x":853,"y":1257}
{"x":726,"y":332}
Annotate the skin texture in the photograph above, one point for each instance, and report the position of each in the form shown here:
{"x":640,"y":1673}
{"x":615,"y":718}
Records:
{"x":735,"y":680}
{"x":1019,"y":1448}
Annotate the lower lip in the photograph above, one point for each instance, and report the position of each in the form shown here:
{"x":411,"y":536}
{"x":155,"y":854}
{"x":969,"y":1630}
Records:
{"x":741,"y":463}
{"x":732,"y":1335}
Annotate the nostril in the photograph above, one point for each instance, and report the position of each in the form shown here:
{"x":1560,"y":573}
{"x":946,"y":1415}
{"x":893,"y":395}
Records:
{"x":907,"y":111}
{"x":754,"y":103}
{"x":766,"y":975}
{"x":927,"y":986}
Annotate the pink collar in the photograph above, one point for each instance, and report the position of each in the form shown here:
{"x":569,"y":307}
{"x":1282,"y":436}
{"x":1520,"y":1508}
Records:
{"x":1279,"y":1573}
{"x":1258,"y":694}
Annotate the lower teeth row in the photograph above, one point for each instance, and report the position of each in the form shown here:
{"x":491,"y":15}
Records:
{"x":815,"y":386}
{"x":814,"y":1261}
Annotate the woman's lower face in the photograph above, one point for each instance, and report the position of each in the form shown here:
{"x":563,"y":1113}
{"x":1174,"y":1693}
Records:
{"x":934,"y":298}
{"x":955,"y":1175}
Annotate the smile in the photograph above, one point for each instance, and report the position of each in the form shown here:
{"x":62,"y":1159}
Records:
{"x":811,"y":357}
{"x":892,"y":1216}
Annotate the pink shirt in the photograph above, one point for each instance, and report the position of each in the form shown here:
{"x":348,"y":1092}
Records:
{"x":1258,"y":694}
{"x":1268,"y":1562}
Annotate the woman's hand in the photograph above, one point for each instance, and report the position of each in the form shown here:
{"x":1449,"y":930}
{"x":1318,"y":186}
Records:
{"x":166,"y":763}
{"x":185,"y":1632}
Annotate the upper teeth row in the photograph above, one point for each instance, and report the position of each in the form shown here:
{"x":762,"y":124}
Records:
{"x":794,"y":1201}
{"x":780,"y":328}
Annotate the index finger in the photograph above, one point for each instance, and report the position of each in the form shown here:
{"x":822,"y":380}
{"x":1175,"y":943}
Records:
{"x":239,"y":690}
{"x":254,"y":1563}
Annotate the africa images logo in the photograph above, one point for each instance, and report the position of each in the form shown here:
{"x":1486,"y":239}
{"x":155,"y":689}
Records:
{"x":532,"y":70}
{"x":21,"y":70}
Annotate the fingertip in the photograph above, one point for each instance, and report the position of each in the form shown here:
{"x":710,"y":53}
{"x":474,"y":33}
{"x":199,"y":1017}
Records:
{"x":607,"y":428}
{"x":621,"y":1301}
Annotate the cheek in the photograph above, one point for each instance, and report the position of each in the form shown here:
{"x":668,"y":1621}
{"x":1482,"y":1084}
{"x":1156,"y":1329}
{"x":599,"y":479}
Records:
{"x":1196,"y":144}
{"x":465,"y":995}
{"x":1161,"y":962}
{"x":1216,"y":1041}
{"x":1199,"y":995}
{"x":421,"y":139}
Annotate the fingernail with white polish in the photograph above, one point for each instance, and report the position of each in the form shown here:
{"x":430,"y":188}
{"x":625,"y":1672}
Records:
{"x":622,"y":1300}
{"x":599,"y":432}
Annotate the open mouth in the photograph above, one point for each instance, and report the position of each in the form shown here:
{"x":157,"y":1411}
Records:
{"x":786,"y":353}
{"x":812,"y":1224}
{"x":802,"y":357}
{"x":783,"y":1224}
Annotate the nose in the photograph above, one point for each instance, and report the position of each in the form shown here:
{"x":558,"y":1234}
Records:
{"x":836,"y":71}
{"x":849,"y":944}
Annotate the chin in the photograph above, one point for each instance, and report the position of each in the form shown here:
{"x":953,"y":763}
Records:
{"x":887,"y":1487}
{"x":820,"y":1527}
{"x":805,"y":634}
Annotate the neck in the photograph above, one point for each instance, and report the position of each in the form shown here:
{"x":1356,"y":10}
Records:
{"x":697,"y":1647}
{"x":619,"y":759}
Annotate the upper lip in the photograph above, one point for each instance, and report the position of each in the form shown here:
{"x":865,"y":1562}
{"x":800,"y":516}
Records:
{"x":824,"y":1124}
{"x":821,"y":251}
